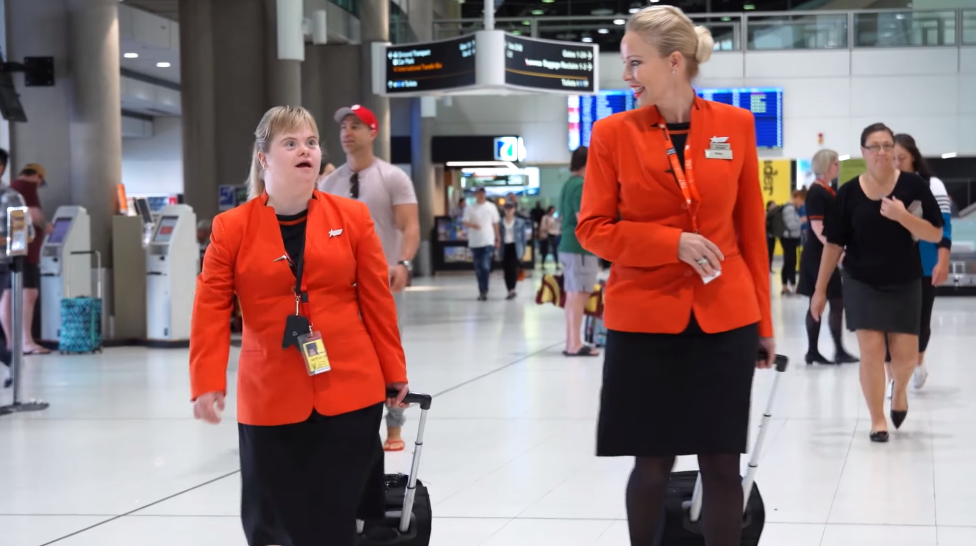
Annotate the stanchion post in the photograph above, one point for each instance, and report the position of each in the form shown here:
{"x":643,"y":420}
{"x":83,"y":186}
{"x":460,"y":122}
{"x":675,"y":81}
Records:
{"x":18,"y":237}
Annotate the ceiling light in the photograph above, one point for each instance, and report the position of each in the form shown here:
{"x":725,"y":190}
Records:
{"x":517,"y":32}
{"x":508,"y":164}
{"x":587,"y":39}
{"x":655,"y":1}
{"x":163,"y":64}
{"x":603,"y":31}
{"x":726,"y":19}
{"x":548,"y":1}
{"x":619,"y":22}
{"x":634,"y":10}
{"x":949,"y":155}
{"x":527,"y":23}
{"x":748,"y":7}
{"x":131,"y":55}
{"x":537,"y":12}
{"x":843,"y":157}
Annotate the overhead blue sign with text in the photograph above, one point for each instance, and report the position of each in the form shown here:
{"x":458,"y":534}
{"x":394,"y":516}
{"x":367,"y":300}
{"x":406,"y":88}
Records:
{"x":509,"y":148}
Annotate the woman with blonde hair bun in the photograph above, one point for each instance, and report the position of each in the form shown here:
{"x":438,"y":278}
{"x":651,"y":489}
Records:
{"x":671,"y":199}
{"x":320,"y":345}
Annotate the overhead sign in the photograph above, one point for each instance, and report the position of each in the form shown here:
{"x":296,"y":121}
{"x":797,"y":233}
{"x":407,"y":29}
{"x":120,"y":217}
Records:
{"x":430,"y":66}
{"x":509,"y":148}
{"x":547,"y":64}
{"x":488,"y":62}
{"x":225,"y":198}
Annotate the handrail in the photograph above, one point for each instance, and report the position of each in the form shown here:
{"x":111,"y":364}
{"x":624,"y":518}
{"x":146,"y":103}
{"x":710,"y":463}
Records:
{"x":961,"y":24}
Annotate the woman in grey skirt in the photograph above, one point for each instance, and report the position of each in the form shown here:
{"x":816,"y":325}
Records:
{"x":876,"y":222}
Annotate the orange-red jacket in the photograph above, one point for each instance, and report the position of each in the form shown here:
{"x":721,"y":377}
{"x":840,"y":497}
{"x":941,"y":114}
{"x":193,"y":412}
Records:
{"x":349,"y":302}
{"x":633,"y":214}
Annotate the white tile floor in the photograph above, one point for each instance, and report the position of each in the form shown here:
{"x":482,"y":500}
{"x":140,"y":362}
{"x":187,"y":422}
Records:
{"x":118,"y":460}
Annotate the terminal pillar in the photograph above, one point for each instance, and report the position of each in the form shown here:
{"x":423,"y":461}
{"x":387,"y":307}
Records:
{"x":375,"y":27}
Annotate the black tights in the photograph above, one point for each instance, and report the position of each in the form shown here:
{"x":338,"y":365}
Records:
{"x":721,"y":521}
{"x":835,"y":322}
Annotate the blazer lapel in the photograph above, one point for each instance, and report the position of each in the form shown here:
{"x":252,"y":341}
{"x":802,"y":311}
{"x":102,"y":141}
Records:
{"x":653,"y":159}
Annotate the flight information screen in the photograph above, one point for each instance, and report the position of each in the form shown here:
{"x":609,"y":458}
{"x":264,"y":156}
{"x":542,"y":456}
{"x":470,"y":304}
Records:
{"x":766,"y":105}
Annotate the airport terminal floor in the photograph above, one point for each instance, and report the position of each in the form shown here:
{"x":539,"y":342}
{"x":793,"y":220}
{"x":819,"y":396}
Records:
{"x":509,"y":451}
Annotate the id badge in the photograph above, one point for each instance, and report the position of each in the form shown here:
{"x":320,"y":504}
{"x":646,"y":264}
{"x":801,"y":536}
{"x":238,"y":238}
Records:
{"x":313,"y":351}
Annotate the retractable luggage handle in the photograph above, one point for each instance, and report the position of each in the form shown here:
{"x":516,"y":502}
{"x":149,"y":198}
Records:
{"x":98,"y":269}
{"x":694,"y":511}
{"x":423,"y":400}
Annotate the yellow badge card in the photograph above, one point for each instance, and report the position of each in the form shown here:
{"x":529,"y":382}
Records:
{"x":313,"y":351}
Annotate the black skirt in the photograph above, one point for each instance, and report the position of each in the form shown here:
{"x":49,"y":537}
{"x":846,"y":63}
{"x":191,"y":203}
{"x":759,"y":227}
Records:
{"x":809,"y":271}
{"x":302,"y":484}
{"x":894,"y":309}
{"x":677,"y":394}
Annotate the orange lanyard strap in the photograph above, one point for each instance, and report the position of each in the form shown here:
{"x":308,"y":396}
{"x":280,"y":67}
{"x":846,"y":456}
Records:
{"x":685,"y":176}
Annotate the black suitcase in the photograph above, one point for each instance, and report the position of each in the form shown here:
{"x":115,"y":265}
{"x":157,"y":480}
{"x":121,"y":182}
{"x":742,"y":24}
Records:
{"x":682,"y":507}
{"x":408,"y":514}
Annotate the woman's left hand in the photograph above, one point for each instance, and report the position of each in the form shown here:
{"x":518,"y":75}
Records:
{"x":940,"y":273}
{"x":768,"y":344}
{"x":403,"y":390}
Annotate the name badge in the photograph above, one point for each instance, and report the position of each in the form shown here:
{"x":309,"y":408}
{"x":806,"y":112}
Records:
{"x":313,"y":351}
{"x":719,"y":148}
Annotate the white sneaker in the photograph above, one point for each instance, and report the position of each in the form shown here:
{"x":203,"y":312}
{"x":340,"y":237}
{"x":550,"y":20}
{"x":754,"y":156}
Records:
{"x":920,"y":375}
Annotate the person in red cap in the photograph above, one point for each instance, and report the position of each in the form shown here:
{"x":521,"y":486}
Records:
{"x":388,"y":193}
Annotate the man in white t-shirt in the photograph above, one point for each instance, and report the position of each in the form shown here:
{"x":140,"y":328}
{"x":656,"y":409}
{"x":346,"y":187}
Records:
{"x":482,"y":220}
{"x":388,"y":193}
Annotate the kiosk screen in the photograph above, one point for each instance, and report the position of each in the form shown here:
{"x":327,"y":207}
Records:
{"x":61,"y":227}
{"x":165,"y":231}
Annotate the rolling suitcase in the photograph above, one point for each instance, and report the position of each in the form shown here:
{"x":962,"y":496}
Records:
{"x":408,"y":517}
{"x":81,"y":318}
{"x":683,"y":504}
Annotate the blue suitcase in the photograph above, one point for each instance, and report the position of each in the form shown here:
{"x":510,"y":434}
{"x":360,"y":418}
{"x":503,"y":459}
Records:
{"x":81,"y":319}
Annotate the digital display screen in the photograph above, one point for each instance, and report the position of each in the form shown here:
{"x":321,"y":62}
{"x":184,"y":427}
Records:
{"x":165,"y":230}
{"x":766,"y":105}
{"x":431,"y":66}
{"x":60,"y":231}
{"x":544,"y":64}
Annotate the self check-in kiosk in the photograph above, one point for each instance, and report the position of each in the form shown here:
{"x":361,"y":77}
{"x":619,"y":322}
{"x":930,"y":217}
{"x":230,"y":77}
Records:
{"x":63,"y":273}
{"x":172,"y":264}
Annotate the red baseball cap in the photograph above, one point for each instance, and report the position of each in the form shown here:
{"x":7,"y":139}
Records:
{"x":364,"y":114}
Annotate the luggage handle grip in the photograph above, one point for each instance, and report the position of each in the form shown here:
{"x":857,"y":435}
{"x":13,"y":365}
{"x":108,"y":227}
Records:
{"x":423,"y":400}
{"x":782,"y":361}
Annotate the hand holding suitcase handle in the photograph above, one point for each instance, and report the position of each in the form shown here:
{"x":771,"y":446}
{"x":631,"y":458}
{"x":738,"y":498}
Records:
{"x":782,"y":361}
{"x":412,"y":398}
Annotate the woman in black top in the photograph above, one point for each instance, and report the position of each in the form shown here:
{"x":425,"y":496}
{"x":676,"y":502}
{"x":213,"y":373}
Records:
{"x":876,"y":222}
{"x":820,"y":198}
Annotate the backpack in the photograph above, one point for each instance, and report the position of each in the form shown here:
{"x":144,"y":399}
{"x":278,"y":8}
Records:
{"x":774,"y":222}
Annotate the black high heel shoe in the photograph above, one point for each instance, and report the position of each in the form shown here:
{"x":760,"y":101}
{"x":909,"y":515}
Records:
{"x":816,"y":357}
{"x":843,"y":357}
{"x":880,"y":436}
{"x":898,"y":417}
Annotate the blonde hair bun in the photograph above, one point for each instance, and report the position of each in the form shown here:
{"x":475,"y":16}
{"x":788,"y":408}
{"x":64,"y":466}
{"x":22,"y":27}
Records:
{"x":706,"y":44}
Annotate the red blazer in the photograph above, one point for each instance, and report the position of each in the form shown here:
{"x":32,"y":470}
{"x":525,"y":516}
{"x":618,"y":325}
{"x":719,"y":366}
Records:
{"x":633,"y":214}
{"x":349,"y":300}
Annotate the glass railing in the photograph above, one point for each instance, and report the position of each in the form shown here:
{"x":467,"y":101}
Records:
{"x":905,"y":28}
{"x":760,"y":31}
{"x":352,"y":6}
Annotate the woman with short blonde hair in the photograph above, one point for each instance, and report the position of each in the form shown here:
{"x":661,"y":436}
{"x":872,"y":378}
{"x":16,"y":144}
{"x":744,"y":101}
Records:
{"x":820,"y":200}
{"x":320,"y":343}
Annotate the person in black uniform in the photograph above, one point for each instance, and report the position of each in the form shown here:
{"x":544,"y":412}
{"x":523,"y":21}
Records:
{"x":820,"y":198}
{"x":876,"y":222}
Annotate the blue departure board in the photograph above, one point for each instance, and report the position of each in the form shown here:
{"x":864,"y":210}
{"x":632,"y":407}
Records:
{"x":766,"y":105}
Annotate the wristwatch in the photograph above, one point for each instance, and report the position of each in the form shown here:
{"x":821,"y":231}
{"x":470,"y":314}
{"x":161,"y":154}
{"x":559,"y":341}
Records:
{"x":407,"y":264}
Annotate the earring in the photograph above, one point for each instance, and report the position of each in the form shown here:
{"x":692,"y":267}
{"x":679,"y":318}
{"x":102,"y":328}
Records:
{"x":673,"y":71}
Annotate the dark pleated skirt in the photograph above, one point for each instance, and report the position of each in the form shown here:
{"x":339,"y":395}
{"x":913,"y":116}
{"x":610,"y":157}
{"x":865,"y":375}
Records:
{"x":684,"y":394}
{"x":302,"y":484}
{"x":893,"y":308}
